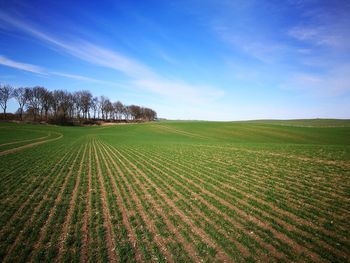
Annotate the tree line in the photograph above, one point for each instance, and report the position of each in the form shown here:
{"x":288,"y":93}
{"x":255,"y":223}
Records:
{"x":39,"y":104}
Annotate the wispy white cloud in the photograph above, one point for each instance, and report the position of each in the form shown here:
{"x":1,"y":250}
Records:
{"x":165,"y":56}
{"x":335,"y":82}
{"x":330,"y":36}
{"x":326,"y":33}
{"x":323,"y":34}
{"x":80,"y":77}
{"x":107,"y":58}
{"x":22,"y":66}
{"x":327,"y":26}
{"x":238,"y":25}
{"x":141,"y":75}
{"x":180,"y":90}
{"x":81,"y":49}
{"x":43,"y":71}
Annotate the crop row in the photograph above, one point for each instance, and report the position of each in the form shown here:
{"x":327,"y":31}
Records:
{"x":238,"y":198}
{"x":89,"y":200}
{"x":29,"y":212}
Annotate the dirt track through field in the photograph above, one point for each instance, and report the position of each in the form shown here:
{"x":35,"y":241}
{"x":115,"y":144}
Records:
{"x":14,"y":150}
{"x":22,"y":141}
{"x":23,"y":168}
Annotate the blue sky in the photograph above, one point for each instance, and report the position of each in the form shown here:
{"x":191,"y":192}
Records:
{"x":208,"y":60}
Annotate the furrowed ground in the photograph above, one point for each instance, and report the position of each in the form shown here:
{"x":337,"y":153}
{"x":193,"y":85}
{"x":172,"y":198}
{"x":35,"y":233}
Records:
{"x":176,"y":191}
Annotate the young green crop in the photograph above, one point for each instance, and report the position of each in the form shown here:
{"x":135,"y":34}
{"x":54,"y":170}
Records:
{"x":176,"y":191}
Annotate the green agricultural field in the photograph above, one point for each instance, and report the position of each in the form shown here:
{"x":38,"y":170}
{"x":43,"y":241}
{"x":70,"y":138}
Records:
{"x":176,"y":191}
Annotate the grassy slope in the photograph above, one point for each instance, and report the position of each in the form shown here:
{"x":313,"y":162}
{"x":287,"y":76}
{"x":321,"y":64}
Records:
{"x":318,"y":132}
{"x":316,"y":139}
{"x":330,"y":142}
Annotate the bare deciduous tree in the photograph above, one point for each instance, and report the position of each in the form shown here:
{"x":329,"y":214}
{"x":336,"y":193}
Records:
{"x":86,"y":98}
{"x":43,"y":95}
{"x":76,"y":96}
{"x":149,"y":114}
{"x":94,"y":106}
{"x":135,"y":112}
{"x":127,"y":113}
{"x":21,"y":95}
{"x":102,"y":105}
{"x":34,"y":100}
{"x":118,"y":109}
{"x":6,"y":93}
{"x":47,"y":102}
{"x":109,"y":109}
{"x":65,"y":106}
